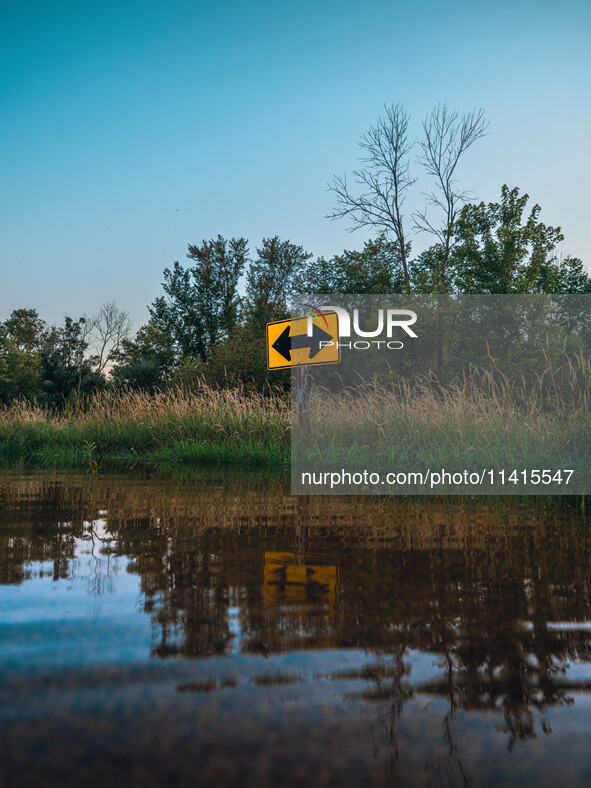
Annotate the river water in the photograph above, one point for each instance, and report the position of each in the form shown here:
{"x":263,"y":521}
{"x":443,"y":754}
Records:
{"x":219,"y":631}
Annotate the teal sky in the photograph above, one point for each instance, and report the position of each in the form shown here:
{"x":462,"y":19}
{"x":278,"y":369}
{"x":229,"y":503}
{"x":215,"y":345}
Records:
{"x":128,"y":130}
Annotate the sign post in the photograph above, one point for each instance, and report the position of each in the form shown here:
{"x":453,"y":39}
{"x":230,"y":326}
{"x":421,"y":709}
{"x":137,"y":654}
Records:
{"x":300,"y":343}
{"x":303,"y":393}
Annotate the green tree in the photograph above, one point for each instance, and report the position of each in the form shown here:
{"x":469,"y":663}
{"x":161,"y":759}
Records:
{"x":270,"y":281}
{"x":201,"y":304}
{"x":377,"y":268}
{"x":499,"y":250}
{"x":238,"y":361}
{"x":19,"y":368}
{"x":66,"y":373}
{"x":427,"y":268}
{"x":572,"y":277}
{"x":25,"y":327}
{"x":147,"y":361}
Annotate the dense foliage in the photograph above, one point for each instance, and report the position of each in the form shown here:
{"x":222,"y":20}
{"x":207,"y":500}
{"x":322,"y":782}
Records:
{"x":209,"y":323}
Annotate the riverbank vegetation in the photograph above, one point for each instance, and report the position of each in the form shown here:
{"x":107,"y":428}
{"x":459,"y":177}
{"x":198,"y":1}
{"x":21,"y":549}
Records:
{"x":480,"y":420}
{"x":202,"y":330}
{"x":192,"y":384}
{"x":202,"y":426}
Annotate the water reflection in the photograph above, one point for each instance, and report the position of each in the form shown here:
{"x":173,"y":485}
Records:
{"x":423,"y":642}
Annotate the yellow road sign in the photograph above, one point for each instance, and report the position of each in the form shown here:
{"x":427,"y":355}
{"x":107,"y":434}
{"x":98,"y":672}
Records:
{"x":303,"y":341}
{"x":298,"y":577}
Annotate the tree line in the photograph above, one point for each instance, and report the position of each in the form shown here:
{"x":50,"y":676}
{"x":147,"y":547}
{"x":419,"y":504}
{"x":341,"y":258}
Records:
{"x":209,"y":322}
{"x":201,"y":328}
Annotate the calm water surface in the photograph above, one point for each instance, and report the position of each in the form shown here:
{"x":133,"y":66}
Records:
{"x":219,"y":631}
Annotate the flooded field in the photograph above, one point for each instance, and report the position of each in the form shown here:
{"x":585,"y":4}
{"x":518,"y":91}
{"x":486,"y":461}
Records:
{"x":220,"y":631}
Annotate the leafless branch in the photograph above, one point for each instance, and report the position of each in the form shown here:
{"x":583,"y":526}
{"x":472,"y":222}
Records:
{"x":447,"y":137}
{"x":384,"y":180}
{"x":108,"y":328}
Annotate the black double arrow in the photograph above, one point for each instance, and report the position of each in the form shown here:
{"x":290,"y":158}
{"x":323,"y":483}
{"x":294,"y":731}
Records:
{"x":285,"y":343}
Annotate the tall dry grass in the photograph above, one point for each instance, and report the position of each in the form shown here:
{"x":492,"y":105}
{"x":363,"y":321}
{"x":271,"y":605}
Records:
{"x":482,"y":419}
{"x":204,"y":425}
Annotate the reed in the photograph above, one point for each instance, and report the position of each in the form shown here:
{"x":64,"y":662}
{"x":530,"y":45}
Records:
{"x":203,"y":426}
{"x":481,"y":419}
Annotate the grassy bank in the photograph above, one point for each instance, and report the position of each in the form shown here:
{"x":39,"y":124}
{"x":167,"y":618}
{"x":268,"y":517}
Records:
{"x":480,"y":421}
{"x":202,"y":427}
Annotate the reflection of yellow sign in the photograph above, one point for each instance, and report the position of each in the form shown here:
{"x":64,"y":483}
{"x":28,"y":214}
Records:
{"x":298,"y":577}
{"x":306,"y":340}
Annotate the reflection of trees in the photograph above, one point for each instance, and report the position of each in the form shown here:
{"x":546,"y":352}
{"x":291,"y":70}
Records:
{"x":36,"y":525}
{"x":100,"y":580}
{"x":485,"y":614}
{"x":189,"y":600}
{"x":480,"y":587}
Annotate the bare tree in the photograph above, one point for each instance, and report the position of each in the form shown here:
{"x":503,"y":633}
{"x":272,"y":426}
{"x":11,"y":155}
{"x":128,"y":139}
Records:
{"x":107,"y":330}
{"x":383,"y":181}
{"x":447,"y":136}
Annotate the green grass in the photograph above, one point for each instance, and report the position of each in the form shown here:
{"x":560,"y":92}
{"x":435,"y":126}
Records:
{"x":203,"y":427}
{"x":480,"y":421}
